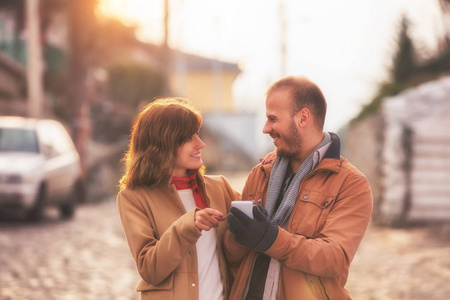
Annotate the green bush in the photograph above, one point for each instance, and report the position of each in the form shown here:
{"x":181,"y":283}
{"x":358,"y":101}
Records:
{"x":130,"y":83}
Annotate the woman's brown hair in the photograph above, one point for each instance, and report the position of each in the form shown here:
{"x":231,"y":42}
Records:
{"x":158,"y":131}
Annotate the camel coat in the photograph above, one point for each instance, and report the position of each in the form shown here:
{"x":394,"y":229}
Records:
{"x":161,"y":236}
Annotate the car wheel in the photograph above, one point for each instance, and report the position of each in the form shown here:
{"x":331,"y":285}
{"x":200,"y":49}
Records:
{"x":67,"y":209}
{"x":37,"y":212}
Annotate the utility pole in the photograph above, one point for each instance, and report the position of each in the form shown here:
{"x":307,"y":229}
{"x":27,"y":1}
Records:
{"x":79,"y":20}
{"x":283,"y":30}
{"x":166,"y":24}
{"x":166,"y":53}
{"x":34,"y":60}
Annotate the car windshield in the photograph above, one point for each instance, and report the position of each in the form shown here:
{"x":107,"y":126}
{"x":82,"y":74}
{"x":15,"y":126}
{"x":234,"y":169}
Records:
{"x":16,"y":139}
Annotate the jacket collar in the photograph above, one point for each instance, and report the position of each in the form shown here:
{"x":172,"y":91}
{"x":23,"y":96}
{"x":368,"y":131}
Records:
{"x":267,"y":168}
{"x":334,"y":151}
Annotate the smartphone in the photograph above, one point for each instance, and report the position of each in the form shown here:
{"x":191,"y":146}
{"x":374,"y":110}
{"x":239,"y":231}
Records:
{"x":246,"y":206}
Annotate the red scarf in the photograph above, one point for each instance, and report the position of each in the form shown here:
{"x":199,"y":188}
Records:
{"x":190,"y":182}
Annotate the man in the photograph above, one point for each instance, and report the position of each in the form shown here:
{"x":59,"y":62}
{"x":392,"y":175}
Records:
{"x":317,"y":206}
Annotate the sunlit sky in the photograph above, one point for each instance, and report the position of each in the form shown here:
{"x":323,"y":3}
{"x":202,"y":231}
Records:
{"x":344,"y":46}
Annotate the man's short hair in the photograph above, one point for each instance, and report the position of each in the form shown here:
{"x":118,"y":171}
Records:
{"x":305,"y":93}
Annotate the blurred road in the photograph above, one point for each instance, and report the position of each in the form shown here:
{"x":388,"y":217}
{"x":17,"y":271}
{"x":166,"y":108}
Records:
{"x":85,"y":258}
{"x":88,"y":258}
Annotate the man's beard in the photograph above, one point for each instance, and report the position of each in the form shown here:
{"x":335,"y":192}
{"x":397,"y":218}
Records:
{"x":293,"y":143}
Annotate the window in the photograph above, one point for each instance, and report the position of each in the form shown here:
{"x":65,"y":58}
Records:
{"x":16,"y":139}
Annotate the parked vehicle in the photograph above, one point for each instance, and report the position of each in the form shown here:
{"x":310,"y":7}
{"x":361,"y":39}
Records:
{"x":39,"y":167}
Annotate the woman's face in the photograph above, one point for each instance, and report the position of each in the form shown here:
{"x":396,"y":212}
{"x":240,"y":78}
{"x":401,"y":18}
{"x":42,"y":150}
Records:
{"x":188,"y":156}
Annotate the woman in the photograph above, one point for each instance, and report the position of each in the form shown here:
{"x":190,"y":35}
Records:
{"x":173,"y":216}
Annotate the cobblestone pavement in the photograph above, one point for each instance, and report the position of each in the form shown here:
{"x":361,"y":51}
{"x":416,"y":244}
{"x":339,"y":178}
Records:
{"x":88,"y":258}
{"x":85,"y":258}
{"x":406,"y":263}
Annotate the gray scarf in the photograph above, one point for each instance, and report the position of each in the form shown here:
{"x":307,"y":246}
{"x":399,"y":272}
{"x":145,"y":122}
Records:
{"x":276,"y":179}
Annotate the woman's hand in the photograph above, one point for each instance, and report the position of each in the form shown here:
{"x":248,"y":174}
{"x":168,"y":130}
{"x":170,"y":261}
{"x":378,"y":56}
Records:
{"x":207,"y":218}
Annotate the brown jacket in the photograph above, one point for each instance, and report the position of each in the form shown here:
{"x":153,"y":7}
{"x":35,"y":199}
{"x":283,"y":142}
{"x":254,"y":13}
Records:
{"x":332,"y":212}
{"x":162,"y":237}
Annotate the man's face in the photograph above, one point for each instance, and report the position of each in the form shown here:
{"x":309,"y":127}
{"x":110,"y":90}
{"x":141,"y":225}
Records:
{"x":281,"y":125}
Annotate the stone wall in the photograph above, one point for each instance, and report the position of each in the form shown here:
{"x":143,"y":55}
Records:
{"x":362,"y":147}
{"x":404,"y":151}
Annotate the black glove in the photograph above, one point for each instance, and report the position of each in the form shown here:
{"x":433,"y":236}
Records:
{"x":257,"y":233}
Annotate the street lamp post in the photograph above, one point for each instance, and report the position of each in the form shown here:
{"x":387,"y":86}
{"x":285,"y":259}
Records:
{"x":34,"y":60}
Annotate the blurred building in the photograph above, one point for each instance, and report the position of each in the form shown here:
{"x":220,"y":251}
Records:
{"x":12,"y":86}
{"x":12,"y":70}
{"x":14,"y":60}
{"x":207,"y":82}
{"x":405,"y":152}
{"x":228,"y":133}
{"x":230,"y":140}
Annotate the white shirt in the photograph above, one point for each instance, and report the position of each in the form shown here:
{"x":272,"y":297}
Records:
{"x":210,"y":283}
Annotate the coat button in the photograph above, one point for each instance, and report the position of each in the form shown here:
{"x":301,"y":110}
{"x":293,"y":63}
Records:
{"x":259,"y":201}
{"x":306,"y":197}
{"x":190,"y":252}
{"x":193,"y":285}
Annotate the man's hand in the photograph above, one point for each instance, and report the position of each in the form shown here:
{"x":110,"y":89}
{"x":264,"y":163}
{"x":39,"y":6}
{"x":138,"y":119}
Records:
{"x":257,"y":233}
{"x":207,"y":218}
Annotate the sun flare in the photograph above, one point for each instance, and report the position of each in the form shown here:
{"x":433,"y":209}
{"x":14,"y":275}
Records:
{"x":131,"y":11}
{"x":146,"y":15}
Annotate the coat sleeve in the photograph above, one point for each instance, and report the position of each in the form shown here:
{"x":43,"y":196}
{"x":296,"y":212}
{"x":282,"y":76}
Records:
{"x":331,"y":253}
{"x":156,"y":258}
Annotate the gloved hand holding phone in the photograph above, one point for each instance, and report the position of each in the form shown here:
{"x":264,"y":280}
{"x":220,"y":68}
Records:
{"x":257,"y":233}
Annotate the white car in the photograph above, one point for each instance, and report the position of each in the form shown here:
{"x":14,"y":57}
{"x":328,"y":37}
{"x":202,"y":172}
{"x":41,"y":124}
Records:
{"x":39,"y":167}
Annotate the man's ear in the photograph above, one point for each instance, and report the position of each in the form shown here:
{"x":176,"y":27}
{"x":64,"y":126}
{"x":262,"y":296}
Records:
{"x":302,"y":117}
